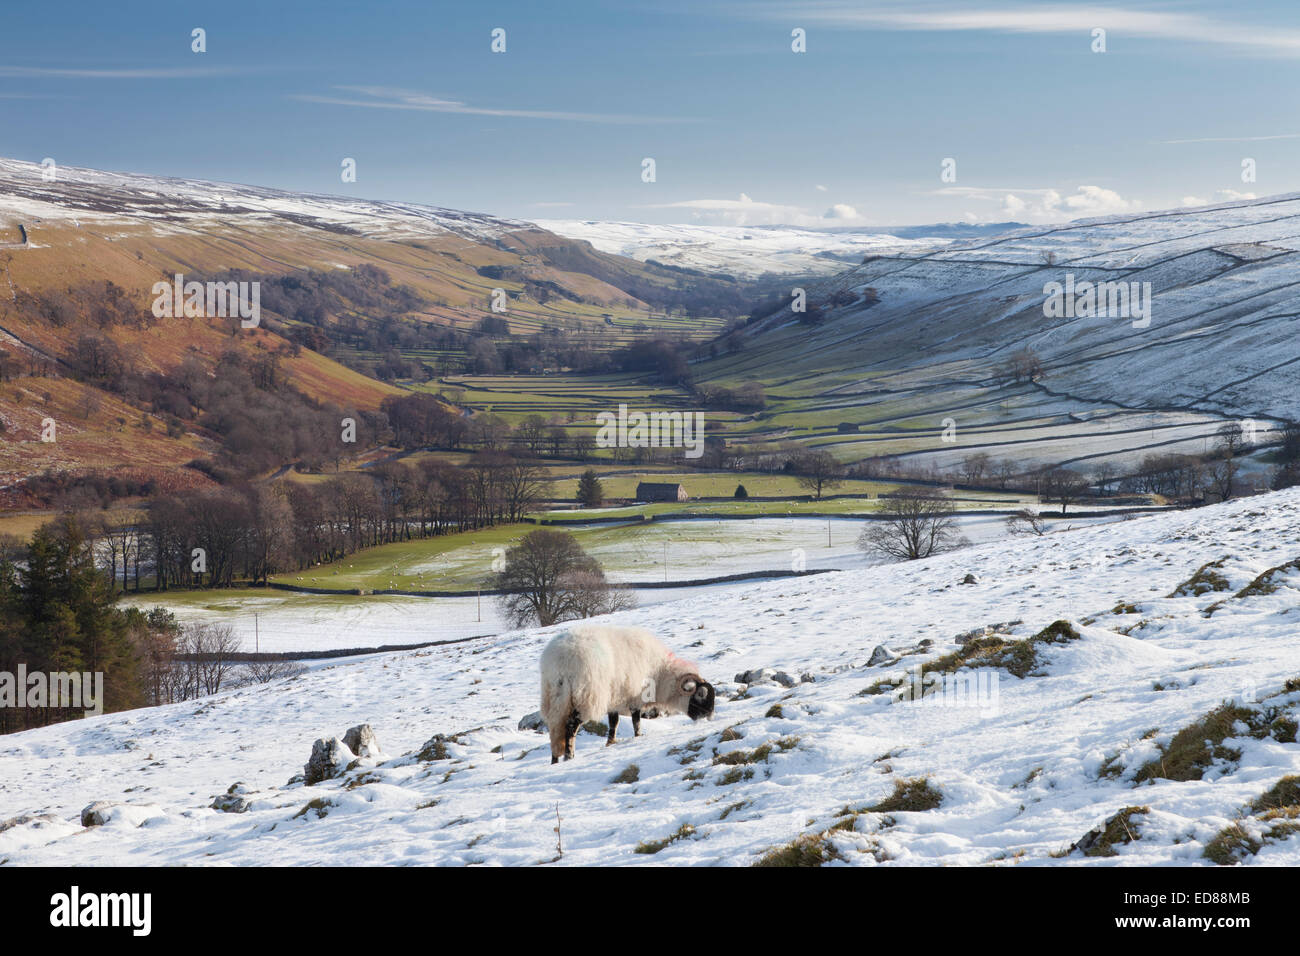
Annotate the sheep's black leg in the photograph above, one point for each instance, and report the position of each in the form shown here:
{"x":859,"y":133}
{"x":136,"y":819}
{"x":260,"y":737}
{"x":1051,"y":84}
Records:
{"x":613,"y":722}
{"x":570,"y":731}
{"x":636,"y":723}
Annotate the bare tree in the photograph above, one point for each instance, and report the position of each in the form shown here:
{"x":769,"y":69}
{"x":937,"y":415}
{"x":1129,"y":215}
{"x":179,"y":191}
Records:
{"x":209,"y":649}
{"x":523,"y":486}
{"x":263,"y":672}
{"x":1222,"y":474}
{"x":1103,"y":475}
{"x":1005,"y":470}
{"x":817,"y":471}
{"x":1026,"y":521}
{"x":975,"y":467}
{"x":1229,"y":440}
{"x":1063,"y":486}
{"x":548,"y":578}
{"x":90,"y":402}
{"x":914,"y":524}
{"x":1023,"y":365}
{"x":592,"y":595}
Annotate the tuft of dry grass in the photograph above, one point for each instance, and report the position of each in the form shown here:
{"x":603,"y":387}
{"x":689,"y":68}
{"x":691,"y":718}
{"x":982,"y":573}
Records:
{"x":1206,"y":579}
{"x":631,"y":774}
{"x":685,"y":831}
{"x":1118,"y":829}
{"x":809,"y":849}
{"x":1195,"y":747}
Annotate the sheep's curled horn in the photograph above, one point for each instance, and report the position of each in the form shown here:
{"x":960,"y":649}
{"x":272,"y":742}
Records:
{"x":701,"y":692}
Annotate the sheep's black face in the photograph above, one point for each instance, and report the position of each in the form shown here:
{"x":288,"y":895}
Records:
{"x":701,"y":703}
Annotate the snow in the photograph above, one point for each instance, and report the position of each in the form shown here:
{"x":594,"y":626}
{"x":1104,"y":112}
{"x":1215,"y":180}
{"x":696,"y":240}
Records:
{"x":289,"y":621}
{"x":741,"y":251}
{"x":1020,"y":779}
{"x":170,"y":205}
{"x":1222,"y":336}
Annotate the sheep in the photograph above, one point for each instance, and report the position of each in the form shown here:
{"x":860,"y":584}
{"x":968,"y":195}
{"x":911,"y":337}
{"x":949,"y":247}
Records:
{"x":590,"y":670}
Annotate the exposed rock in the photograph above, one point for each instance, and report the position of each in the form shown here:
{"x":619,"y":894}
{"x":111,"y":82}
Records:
{"x":881,"y":655}
{"x":970,"y":579}
{"x":988,"y":629}
{"x":98,"y":813}
{"x":968,"y":636}
{"x":806,"y":678}
{"x":36,"y":820}
{"x":233,"y":800}
{"x":761,"y":675}
{"x":361,"y":741}
{"x":435,"y":748}
{"x":329,"y":758}
{"x":533,"y":721}
{"x":103,"y":812}
{"x":784,"y":679}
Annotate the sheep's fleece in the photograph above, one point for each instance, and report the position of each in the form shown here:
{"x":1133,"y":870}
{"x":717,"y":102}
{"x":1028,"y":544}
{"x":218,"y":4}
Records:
{"x":591,"y":671}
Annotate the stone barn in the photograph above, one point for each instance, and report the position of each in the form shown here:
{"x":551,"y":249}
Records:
{"x":660,"y":491}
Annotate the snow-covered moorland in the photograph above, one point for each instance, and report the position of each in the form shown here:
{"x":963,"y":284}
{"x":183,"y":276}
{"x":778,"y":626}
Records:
{"x":1155,"y":641}
{"x":739,"y":250}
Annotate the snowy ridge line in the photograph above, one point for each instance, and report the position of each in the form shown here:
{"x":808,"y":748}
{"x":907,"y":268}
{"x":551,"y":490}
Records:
{"x":744,"y":251}
{"x":165,"y":203}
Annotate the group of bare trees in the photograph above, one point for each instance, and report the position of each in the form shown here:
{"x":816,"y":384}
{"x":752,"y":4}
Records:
{"x":203,"y":658}
{"x":1023,"y":366}
{"x":184,"y":662}
{"x":213,"y":537}
{"x":1196,"y":478}
{"x":1287,"y":472}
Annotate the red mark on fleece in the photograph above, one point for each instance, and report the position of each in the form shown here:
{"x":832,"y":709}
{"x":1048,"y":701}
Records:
{"x":683,"y":662}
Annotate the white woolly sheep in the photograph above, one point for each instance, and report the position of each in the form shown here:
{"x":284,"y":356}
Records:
{"x":593,"y":670}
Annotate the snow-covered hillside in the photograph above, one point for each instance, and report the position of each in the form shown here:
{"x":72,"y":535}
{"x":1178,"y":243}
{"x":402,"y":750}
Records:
{"x":742,"y":251}
{"x":1020,"y":774}
{"x":171,"y":205}
{"x":1222,"y":333}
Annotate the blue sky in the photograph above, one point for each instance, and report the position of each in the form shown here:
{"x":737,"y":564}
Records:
{"x":742,"y":129}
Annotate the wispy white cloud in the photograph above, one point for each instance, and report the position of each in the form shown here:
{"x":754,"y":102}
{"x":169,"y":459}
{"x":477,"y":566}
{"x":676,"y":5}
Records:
{"x":745,"y":211}
{"x":129,"y":73}
{"x":1047,"y":205}
{"x":1230,"y":139}
{"x":390,"y":98}
{"x":1222,"y":195}
{"x":1157,"y":23}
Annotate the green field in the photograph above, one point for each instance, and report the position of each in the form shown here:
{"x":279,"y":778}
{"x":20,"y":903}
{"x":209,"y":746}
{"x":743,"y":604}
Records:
{"x":620,"y":482}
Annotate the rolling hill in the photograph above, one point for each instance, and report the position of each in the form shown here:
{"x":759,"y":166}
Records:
{"x":1116,"y":678}
{"x":909,"y":342}
{"x":80,"y":253}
